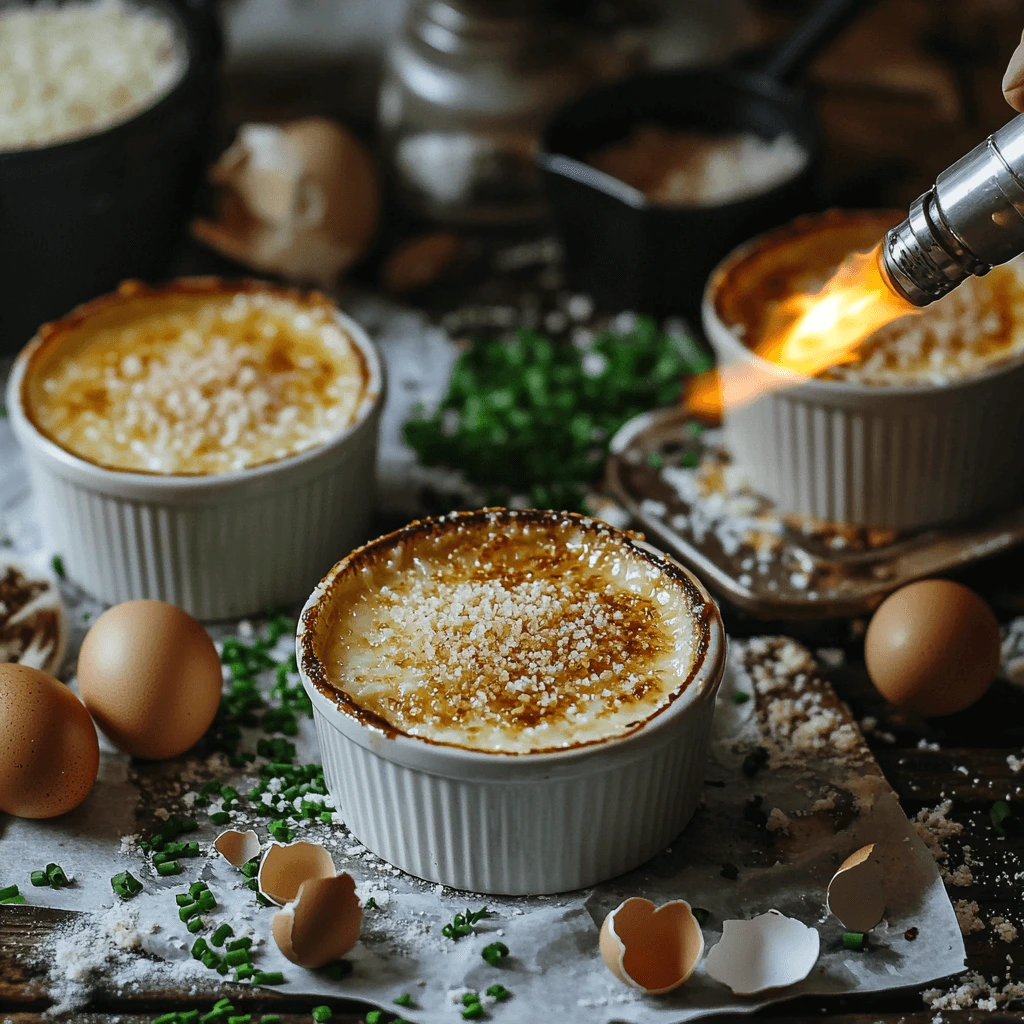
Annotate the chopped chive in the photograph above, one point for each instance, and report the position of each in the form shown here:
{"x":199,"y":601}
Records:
{"x":268,"y":978}
{"x":853,"y":940}
{"x":39,"y":879}
{"x":8,"y":891}
{"x":498,"y":992}
{"x":338,"y":970}
{"x":210,"y":959}
{"x":322,"y":1014}
{"x":220,"y":817}
{"x":998,"y":813}
{"x":223,"y":932}
{"x":167,"y":1018}
{"x":251,"y":868}
{"x":56,"y":877}
{"x":58,"y":566}
{"x":236,"y":957}
{"x":126,"y":885}
{"x":171,"y":867}
{"x":730,"y":871}
{"x":245,"y":942}
{"x":370,"y":904}
{"x":740,"y":697}
{"x":701,"y":915}
{"x":185,"y":914}
{"x":404,"y":1000}
{"x":495,"y":953}
{"x":327,"y":817}
{"x":196,"y":888}
{"x":13,"y":899}
{"x":199,"y":947}
{"x":188,"y":1017}
{"x":240,"y":1018}
{"x":184,"y":899}
{"x":472,"y":1012}
{"x":468,"y":998}
{"x":195,"y":925}
{"x":243,"y":972}
{"x":270,"y":1018}
{"x":374,"y":1016}
{"x":207,"y":901}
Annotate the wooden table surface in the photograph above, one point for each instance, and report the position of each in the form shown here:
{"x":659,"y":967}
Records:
{"x":911,"y":88}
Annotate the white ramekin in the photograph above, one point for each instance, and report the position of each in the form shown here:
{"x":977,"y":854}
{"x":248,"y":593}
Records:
{"x":218,"y":546}
{"x":516,"y":823}
{"x":896,"y":458}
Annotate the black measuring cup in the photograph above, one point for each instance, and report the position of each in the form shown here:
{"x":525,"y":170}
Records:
{"x":630,"y":252}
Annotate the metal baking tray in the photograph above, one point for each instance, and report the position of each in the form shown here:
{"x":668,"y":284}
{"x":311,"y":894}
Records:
{"x":675,"y":478}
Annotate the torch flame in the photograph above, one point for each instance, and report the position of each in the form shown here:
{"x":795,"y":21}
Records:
{"x":807,"y":333}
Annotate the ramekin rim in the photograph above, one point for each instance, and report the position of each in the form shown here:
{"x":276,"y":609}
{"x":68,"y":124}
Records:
{"x":702,"y":686}
{"x":719,"y":333}
{"x":162,"y":483}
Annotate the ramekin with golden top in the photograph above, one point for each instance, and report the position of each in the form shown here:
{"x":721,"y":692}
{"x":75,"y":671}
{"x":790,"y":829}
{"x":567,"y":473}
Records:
{"x":918,"y":430}
{"x":512,"y":702}
{"x":206,"y":443}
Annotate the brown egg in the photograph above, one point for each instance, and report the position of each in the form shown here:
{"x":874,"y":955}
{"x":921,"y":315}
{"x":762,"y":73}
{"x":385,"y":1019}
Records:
{"x":151,"y":677}
{"x":932,"y":647}
{"x":49,"y":754}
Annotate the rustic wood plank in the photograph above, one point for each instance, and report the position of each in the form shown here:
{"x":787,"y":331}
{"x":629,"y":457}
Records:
{"x":965,"y":775}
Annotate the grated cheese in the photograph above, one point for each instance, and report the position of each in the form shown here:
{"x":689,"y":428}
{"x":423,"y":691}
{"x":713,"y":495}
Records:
{"x":75,"y":69}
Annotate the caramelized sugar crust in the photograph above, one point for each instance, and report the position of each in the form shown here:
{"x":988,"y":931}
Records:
{"x":512,"y":632}
{"x":197,"y":378}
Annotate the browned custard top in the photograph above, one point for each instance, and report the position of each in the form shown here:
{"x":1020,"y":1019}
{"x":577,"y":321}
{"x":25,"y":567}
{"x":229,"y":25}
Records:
{"x":197,"y":378}
{"x":511,"y":633}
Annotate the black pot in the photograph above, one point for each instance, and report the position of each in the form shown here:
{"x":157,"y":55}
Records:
{"x":631,"y":253}
{"x":79,"y":217}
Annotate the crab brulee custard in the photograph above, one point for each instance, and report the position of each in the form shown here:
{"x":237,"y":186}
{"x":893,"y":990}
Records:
{"x":509,"y":632}
{"x":196,"y":378}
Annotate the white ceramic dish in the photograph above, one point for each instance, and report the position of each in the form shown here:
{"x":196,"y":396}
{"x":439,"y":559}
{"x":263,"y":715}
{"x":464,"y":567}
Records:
{"x":892,"y":457}
{"x":515,"y":823}
{"x":219,"y":546}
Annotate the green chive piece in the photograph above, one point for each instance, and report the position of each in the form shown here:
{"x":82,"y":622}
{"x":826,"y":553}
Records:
{"x":236,"y":957}
{"x":327,"y":817}
{"x":195,"y":925}
{"x":730,"y":871}
{"x":188,"y":1017}
{"x":740,"y":697}
{"x":268,"y":978}
{"x":243,"y":943}
{"x":998,"y":813}
{"x":210,"y":959}
{"x":39,"y":879}
{"x":185,"y":914}
{"x":58,"y":566}
{"x":472,"y":1011}
{"x":126,"y":885}
{"x":207,"y":901}
{"x":322,"y":1014}
{"x":468,"y":998}
{"x":241,"y":1018}
{"x":196,"y":888}
{"x":853,"y":940}
{"x":270,"y":1018}
{"x":701,"y":915}
{"x":220,"y":817}
{"x":184,"y":899}
{"x":374,"y":1016}
{"x":250,"y":869}
{"x":13,"y":899}
{"x":495,"y":953}
{"x":370,"y":904}
{"x":243,"y":972}
{"x":338,"y":970}
{"x":404,"y":1000}
{"x":498,"y":992}
{"x":56,"y":877}
{"x":223,"y":932}
{"x":171,"y":867}
{"x":199,"y":947}
{"x":167,"y":1018}
{"x":9,"y":891}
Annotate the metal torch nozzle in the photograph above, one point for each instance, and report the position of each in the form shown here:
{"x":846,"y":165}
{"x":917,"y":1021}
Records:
{"x":971,"y":220}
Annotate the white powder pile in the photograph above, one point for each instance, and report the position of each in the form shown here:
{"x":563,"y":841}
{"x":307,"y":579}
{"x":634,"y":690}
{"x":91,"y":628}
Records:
{"x":74,"y":69}
{"x":692,"y":168}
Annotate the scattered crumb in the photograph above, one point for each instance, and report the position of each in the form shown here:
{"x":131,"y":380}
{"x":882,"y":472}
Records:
{"x":1003,"y":929}
{"x":778,"y":821}
{"x":967,"y":916}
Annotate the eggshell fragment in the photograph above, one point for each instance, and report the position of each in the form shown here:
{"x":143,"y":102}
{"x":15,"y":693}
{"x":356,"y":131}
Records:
{"x":653,"y":949}
{"x":322,"y":924}
{"x":1013,"y":79}
{"x":284,"y":869}
{"x":766,"y":952}
{"x":300,"y":200}
{"x":33,"y":622}
{"x":49,"y":753}
{"x":237,"y":848}
{"x":855,"y":894}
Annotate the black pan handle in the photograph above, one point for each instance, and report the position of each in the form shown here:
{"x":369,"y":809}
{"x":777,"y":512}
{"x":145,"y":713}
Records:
{"x":823,"y":24}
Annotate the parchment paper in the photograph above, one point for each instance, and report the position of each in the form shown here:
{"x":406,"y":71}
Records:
{"x":834,"y":804}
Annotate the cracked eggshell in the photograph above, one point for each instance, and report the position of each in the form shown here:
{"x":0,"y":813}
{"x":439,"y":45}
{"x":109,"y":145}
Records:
{"x":767,"y":952}
{"x":237,"y":848}
{"x":653,"y":949}
{"x":300,"y":200}
{"x":322,"y":924}
{"x":856,"y":895}
{"x":285,"y":867}
{"x":33,"y":621}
